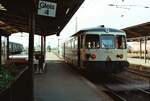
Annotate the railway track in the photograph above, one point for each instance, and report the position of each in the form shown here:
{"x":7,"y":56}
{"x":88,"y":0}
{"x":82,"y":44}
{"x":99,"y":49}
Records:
{"x":144,"y":74}
{"x":147,"y":90}
{"x":128,"y":95}
{"x":114,"y":95}
{"x":118,"y":90}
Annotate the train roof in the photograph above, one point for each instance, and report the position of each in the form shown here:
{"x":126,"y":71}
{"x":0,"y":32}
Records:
{"x":102,"y":29}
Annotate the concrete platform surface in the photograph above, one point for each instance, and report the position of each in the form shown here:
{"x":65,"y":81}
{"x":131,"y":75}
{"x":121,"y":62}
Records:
{"x":60,"y":83}
{"x":139,"y":62}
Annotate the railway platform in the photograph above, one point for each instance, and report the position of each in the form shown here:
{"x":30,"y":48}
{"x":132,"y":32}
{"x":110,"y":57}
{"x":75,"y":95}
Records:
{"x":60,"y":83}
{"x":139,"y":64}
{"x":139,"y":61}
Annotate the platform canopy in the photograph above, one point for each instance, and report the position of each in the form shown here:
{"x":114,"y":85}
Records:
{"x":139,"y":30}
{"x":51,"y":16}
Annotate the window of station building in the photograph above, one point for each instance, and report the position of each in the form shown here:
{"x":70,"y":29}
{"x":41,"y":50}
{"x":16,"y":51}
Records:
{"x":66,"y":45}
{"x":72,"y":43}
{"x":120,"y":42}
{"x":75,"y":43}
{"x":92,"y":41}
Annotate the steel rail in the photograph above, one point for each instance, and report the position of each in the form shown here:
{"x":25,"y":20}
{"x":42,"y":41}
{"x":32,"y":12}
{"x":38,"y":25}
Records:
{"x":146,"y":92}
{"x":115,"y":95}
{"x":138,"y":73}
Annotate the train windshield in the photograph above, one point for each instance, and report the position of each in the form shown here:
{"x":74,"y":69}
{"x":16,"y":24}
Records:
{"x":120,"y":42}
{"x":107,"y":41}
{"x":92,"y":41}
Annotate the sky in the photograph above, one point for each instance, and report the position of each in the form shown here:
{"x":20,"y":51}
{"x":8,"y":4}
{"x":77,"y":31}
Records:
{"x":93,"y":13}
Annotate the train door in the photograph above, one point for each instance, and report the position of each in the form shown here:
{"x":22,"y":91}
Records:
{"x":81,"y":50}
{"x":78,"y":50}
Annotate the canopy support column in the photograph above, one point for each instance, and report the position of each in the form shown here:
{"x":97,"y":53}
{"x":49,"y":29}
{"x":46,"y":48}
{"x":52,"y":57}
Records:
{"x":0,"y":47}
{"x":58,"y":46}
{"x":145,"y":51}
{"x":8,"y":53}
{"x":42,"y":45}
{"x":44,"y":48}
{"x":30,"y":54}
{"x":140,"y":48}
{"x":41,"y":61}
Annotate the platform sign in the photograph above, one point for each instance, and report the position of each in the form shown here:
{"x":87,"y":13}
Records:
{"x":46,"y":8}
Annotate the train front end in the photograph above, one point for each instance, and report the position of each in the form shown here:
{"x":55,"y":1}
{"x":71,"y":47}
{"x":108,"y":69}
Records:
{"x":105,"y":52}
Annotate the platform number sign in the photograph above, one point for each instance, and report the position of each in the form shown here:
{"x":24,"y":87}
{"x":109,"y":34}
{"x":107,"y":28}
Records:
{"x":46,"y":8}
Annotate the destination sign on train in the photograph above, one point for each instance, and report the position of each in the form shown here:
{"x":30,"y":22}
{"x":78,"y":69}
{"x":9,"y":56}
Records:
{"x":46,"y":8}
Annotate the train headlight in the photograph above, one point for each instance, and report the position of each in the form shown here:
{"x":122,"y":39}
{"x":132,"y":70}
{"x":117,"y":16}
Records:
{"x":93,"y":56}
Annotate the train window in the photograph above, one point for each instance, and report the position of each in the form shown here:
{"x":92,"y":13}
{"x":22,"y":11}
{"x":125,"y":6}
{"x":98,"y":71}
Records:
{"x":120,"y":42}
{"x":107,"y":41}
{"x":92,"y":41}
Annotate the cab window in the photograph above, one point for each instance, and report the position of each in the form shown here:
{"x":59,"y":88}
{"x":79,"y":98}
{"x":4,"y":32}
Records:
{"x":120,"y":42}
{"x":92,"y":41}
{"x":107,"y":41}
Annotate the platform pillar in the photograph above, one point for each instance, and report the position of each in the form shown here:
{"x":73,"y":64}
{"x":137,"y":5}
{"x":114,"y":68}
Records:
{"x":44,"y":48}
{"x":0,"y":47}
{"x":145,"y":51}
{"x":140,"y":48}
{"x":42,"y":45}
{"x":30,"y":54}
{"x":41,"y":59}
{"x":8,"y":53}
{"x":58,"y":46}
